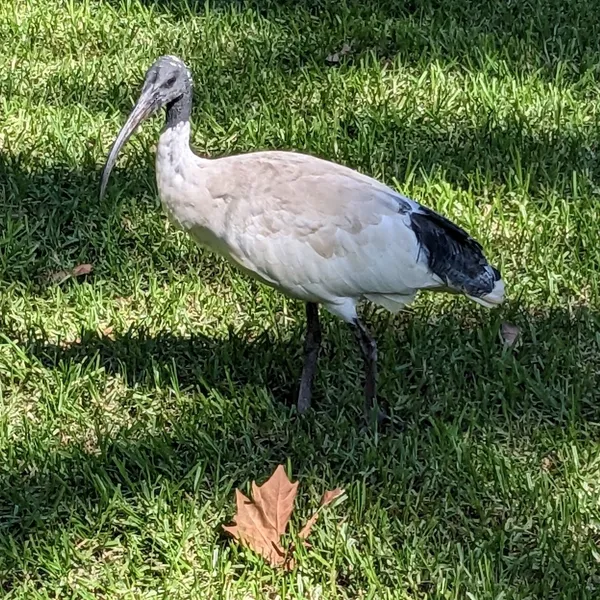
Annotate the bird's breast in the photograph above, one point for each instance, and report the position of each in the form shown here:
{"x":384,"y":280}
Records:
{"x":190,"y":207}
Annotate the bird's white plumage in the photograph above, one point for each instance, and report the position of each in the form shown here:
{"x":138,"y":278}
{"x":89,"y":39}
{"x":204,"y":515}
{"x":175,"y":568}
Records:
{"x":316,"y":230}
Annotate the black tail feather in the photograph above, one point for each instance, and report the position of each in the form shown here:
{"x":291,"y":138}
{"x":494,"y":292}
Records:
{"x":452,"y":254}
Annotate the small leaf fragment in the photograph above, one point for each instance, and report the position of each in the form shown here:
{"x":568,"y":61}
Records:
{"x":59,"y":276}
{"x":335,"y":57}
{"x":305,"y":531}
{"x":330,"y":496}
{"x":62,"y":276}
{"x":509,"y":334}
{"x":289,"y":563}
{"x":84,"y":269}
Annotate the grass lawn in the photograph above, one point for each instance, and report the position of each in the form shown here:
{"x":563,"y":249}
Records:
{"x":134,"y":400}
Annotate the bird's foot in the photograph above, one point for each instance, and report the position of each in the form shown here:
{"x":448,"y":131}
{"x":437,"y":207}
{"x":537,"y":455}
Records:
{"x":375,"y":414}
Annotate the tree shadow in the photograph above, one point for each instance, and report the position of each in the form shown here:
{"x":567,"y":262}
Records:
{"x":202,"y":363}
{"x":532,"y":37}
{"x":53,"y":217}
{"x":54,"y":212}
{"x":216,"y":438}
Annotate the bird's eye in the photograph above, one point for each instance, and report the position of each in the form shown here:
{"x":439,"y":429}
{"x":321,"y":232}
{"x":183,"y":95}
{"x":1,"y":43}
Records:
{"x":170,"y":82}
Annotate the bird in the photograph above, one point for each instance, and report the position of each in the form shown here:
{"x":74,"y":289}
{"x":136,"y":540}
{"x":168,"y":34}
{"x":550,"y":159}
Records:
{"x":315,"y":230}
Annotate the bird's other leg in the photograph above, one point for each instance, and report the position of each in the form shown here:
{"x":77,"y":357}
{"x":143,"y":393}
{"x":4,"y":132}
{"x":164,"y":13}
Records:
{"x":312,"y":342}
{"x":368,"y":347}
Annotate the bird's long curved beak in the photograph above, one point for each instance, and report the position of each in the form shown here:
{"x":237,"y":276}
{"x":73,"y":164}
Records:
{"x":144,"y":107}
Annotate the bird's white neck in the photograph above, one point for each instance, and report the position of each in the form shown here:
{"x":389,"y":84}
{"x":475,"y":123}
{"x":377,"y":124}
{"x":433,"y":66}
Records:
{"x":180,"y":176}
{"x":174,"y":145}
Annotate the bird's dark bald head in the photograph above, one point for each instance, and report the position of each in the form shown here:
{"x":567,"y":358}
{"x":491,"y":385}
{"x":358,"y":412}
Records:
{"x":168,"y":83}
{"x":167,"y":80}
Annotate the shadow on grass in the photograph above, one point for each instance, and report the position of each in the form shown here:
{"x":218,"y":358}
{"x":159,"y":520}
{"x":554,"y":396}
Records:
{"x":532,"y":36}
{"x":234,"y":426}
{"x":53,"y":218}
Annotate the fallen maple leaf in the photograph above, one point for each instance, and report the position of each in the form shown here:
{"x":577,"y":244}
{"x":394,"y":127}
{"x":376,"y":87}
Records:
{"x":259,"y":524}
{"x":509,"y":334}
{"x":328,"y":498}
{"x":252,"y":529}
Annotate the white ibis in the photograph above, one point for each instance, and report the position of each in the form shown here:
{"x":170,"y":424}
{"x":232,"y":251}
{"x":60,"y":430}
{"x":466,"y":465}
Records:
{"x":314,"y":230}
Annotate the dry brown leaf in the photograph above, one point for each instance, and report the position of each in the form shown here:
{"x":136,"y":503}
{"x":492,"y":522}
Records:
{"x":61,"y":276}
{"x":305,"y":531}
{"x":259,"y":524}
{"x":252,"y":530}
{"x":275,"y":498}
{"x":328,"y":498}
{"x":510,"y":334}
{"x":84,"y":269}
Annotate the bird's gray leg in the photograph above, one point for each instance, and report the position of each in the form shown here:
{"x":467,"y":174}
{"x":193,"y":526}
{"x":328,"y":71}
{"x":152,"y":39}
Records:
{"x":368,"y":347}
{"x":312,"y":342}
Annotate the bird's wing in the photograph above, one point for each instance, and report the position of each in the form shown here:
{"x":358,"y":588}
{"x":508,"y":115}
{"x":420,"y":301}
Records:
{"x":319,"y":230}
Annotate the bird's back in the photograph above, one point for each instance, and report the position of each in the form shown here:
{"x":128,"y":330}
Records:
{"x":322,"y":232}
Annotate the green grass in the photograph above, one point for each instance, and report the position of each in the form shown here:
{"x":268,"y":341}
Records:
{"x":119,"y":453}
